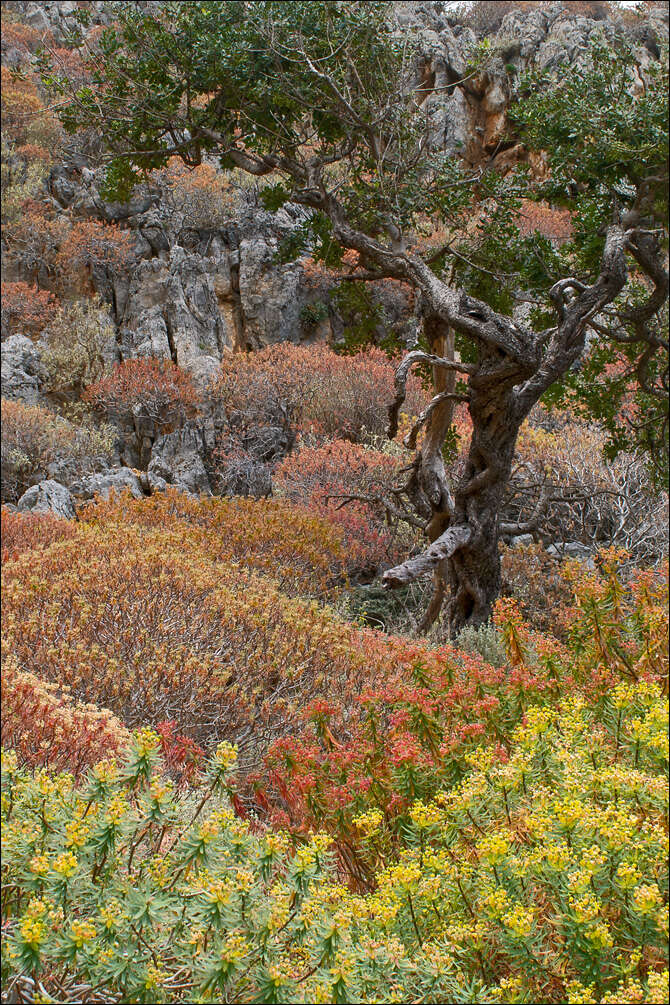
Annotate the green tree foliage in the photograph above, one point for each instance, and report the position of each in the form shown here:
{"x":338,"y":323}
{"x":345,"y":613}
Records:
{"x":609,"y":157}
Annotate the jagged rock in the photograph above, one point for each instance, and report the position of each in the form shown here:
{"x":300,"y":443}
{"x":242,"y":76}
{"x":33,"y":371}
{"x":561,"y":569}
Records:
{"x":115,"y":480}
{"x":521,"y":541}
{"x":177,"y":459}
{"x":22,"y":372}
{"x":47,"y":497}
{"x":451,"y":121}
{"x":269,"y":297}
{"x":570,"y":549}
{"x":173,"y":311}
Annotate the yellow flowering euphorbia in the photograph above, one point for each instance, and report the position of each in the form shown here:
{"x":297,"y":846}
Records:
{"x":553,"y":889}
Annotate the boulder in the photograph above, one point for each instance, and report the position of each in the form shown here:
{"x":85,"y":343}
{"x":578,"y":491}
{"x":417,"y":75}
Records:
{"x":571,"y":549}
{"x":521,"y":541}
{"x":47,"y":497}
{"x":22,"y":372}
{"x":115,"y":480}
{"x":177,"y":459}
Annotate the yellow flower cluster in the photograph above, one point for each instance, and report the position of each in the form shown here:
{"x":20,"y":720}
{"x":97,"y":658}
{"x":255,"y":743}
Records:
{"x":494,"y":848}
{"x":225,"y":756}
{"x":82,"y":932}
{"x":519,"y":921}
{"x":65,"y":864}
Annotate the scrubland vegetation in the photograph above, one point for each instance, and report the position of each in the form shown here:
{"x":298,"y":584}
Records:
{"x":378,"y":711}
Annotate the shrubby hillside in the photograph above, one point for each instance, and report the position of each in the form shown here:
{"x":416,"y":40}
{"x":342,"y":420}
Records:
{"x":334,"y":485}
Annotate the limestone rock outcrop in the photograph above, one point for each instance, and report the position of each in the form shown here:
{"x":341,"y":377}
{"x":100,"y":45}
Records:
{"x":47,"y":497}
{"x":21,"y":370}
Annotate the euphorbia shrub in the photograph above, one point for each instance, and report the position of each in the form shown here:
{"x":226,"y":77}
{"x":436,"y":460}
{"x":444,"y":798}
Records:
{"x":24,"y":531}
{"x":44,"y":726}
{"x":88,"y":245}
{"x":414,"y":736}
{"x":304,"y":554}
{"x":330,"y":476}
{"x":154,"y":388}
{"x":144,"y":623}
{"x":541,"y":879}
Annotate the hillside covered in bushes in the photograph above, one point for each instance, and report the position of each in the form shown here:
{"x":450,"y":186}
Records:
{"x":334,"y":502}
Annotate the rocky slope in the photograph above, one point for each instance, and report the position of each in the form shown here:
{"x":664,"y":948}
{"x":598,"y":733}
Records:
{"x":197,"y":289}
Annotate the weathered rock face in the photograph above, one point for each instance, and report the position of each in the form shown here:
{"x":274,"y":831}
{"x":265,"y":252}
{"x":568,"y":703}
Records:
{"x":195,"y":294}
{"x":21,"y":369}
{"x":47,"y":497}
{"x":213,"y":293}
{"x":116,"y":480}
{"x":468,"y":113}
{"x":178,"y":459}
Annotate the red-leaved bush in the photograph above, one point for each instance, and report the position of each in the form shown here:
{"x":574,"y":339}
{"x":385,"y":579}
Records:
{"x":90,"y":244}
{"x":21,"y":532}
{"x":45,"y":726}
{"x":328,"y":477}
{"x":313,"y":388}
{"x":158,"y":389}
{"x":25,"y":309}
{"x":414,"y":734}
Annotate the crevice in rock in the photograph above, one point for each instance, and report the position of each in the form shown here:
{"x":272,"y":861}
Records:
{"x":220,"y":337}
{"x":170,"y":337}
{"x":239,"y":337}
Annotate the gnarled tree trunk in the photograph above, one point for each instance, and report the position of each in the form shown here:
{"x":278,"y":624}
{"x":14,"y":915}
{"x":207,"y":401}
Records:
{"x":514,"y":369}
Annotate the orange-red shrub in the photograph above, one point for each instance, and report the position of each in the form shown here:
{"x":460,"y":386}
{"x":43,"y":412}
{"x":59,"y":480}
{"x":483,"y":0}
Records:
{"x":25,"y":118}
{"x":45,"y":726}
{"x":90,"y":244}
{"x":25,"y":309}
{"x":201,"y":197}
{"x":322,"y":477}
{"x":552,"y":222}
{"x":311,"y":386}
{"x":161,"y":390}
{"x":21,"y":532}
{"x":147,"y":626}
{"x":305,"y":554}
{"x":21,"y":37}
{"x":413,"y":736}
{"x":33,"y":236}
{"x":538,"y":583}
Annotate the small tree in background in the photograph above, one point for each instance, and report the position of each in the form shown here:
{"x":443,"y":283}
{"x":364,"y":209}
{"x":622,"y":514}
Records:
{"x":79,"y":339}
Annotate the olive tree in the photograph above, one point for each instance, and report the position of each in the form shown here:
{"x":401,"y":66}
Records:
{"x":325,"y":100}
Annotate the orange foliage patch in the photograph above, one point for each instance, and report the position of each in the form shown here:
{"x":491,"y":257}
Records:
{"x":45,"y":726}
{"x":90,"y":244}
{"x":304,"y":554}
{"x":22,"y":37}
{"x":145,"y":624}
{"x":322,"y":477}
{"x":25,"y":309}
{"x":326,"y":394}
{"x":21,"y":532}
{"x":164,"y":392}
{"x":553,"y":223}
